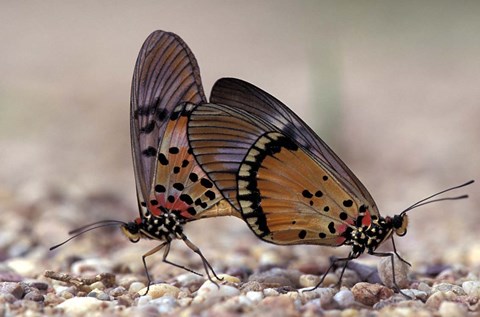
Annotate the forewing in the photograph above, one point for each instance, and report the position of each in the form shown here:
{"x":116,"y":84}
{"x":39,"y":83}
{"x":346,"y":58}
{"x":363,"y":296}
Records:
{"x":179,"y":185}
{"x":166,"y":74}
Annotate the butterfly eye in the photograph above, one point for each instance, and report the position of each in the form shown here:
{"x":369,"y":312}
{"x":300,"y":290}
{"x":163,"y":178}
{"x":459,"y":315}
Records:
{"x":132,"y":231}
{"x":400,"y":223}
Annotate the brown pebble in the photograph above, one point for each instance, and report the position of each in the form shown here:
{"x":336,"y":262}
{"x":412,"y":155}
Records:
{"x":369,"y":294}
{"x":252,"y":286}
{"x":35,"y":296}
{"x":124,"y":300}
{"x":12,"y":288}
{"x":282,"y":305}
{"x":278,"y":277}
{"x":118,"y":291}
{"x":41,"y":286}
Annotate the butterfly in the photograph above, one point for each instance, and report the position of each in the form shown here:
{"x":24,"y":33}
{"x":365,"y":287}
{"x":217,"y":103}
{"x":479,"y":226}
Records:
{"x":288,"y":185}
{"x":172,"y":189}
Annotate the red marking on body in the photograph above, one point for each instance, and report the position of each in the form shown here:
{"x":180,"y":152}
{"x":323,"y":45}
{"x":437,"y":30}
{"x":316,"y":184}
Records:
{"x":341,"y":228}
{"x":367,"y":219}
{"x":138,"y":221}
{"x":176,"y":205}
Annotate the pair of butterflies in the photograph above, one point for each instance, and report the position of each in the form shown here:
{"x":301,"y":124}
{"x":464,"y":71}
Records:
{"x":244,"y":154}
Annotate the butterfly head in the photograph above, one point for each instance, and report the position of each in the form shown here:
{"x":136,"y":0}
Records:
{"x":132,"y":230}
{"x":399,"y":224}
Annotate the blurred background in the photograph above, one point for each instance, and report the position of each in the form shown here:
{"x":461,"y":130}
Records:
{"x":392,"y":87}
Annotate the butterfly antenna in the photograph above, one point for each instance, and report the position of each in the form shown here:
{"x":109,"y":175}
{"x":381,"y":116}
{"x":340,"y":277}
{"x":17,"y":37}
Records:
{"x":79,"y":231}
{"x":427,"y":200}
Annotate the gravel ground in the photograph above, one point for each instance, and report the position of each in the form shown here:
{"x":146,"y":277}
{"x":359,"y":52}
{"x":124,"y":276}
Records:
{"x":101,"y":273}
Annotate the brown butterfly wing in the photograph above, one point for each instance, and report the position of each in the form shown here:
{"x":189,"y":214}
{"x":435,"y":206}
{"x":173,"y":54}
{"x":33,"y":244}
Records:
{"x":166,"y":74}
{"x":288,"y":197}
{"x":179,"y":184}
{"x":272,"y":115}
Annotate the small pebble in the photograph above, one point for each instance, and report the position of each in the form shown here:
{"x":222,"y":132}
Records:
{"x":124,"y":300}
{"x":277,"y":277}
{"x":103,"y":296}
{"x":369,"y":294}
{"x":143,"y":300}
{"x":41,"y":286}
{"x":66,"y":294}
{"x":255,"y":297}
{"x":471,"y":288}
{"x":309,"y":280}
{"x":270,"y":292}
{"x":12,"y":288}
{"x":386,"y":273}
{"x":446,"y":287}
{"x":344,"y":298}
{"x":34,"y":296}
{"x":415,"y":293}
{"x":118,"y":291}
{"x":210,"y":291}
{"x":437,"y":298}
{"x":135,"y":287}
{"x":324,"y":293}
{"x":81,"y":306}
{"x":162,"y":289}
{"x":451,"y":309}
{"x":188,"y":279}
{"x":97,"y":285}
{"x":424,"y":288}
{"x":252,"y":286}
{"x":164,"y":304}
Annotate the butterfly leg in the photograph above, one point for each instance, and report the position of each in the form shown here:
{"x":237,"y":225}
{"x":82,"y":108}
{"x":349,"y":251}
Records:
{"x":391,"y":255}
{"x":165,"y":245}
{"x":206,"y":264}
{"x":334,"y":263}
{"x":398,"y":255}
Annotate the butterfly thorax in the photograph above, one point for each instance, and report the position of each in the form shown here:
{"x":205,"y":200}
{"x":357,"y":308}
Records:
{"x":166,"y":227}
{"x":370,"y":232}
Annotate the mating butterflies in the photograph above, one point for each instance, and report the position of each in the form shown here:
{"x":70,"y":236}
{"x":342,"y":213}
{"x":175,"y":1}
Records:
{"x":289,"y":186}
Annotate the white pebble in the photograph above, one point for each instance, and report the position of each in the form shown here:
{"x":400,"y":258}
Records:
{"x":472,"y":288}
{"x":159,"y":290}
{"x":165,"y":304}
{"x":451,"y":309}
{"x":135,"y":287}
{"x":270,"y":292}
{"x":209,"y":290}
{"x":144,"y":300}
{"x":344,"y":298}
{"x":80,"y":306}
{"x":254,"y":296}
{"x":386,"y":273}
